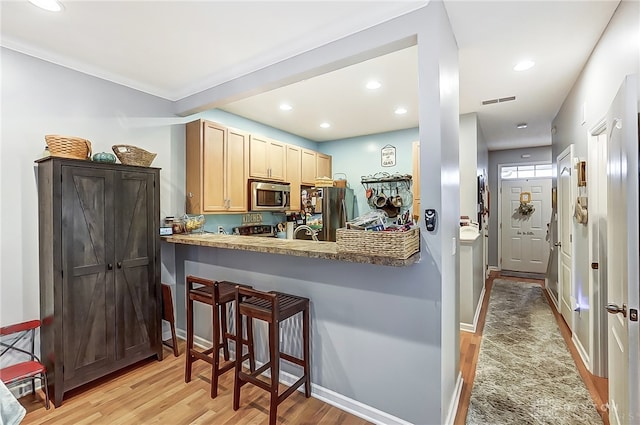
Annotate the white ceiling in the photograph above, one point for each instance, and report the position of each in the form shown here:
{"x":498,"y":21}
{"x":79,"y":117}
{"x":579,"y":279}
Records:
{"x":173,"y":49}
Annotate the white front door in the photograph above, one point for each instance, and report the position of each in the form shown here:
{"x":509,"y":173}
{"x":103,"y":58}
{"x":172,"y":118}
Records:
{"x":623,"y":253}
{"x":565,"y":239}
{"x":524,"y":248}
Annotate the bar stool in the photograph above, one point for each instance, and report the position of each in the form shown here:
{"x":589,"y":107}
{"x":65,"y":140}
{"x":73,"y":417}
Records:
{"x":218,"y":295}
{"x":273,"y":308}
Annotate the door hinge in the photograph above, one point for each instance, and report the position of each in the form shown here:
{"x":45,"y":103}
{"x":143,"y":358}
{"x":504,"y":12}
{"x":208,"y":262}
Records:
{"x":570,"y":238}
{"x":62,"y":273}
{"x":595,"y":266}
{"x":633,"y":314}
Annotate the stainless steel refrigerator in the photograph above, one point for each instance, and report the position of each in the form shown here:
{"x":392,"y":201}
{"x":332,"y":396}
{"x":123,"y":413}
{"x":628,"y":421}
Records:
{"x":338,"y":205}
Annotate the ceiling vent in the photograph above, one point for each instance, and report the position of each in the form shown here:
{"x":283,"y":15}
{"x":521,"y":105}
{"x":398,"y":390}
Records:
{"x":500,"y":100}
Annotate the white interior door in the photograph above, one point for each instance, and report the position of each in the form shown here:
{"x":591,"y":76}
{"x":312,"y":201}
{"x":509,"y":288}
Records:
{"x":597,"y":192}
{"x":565,"y":239}
{"x":524,"y":248}
{"x":622,"y":246}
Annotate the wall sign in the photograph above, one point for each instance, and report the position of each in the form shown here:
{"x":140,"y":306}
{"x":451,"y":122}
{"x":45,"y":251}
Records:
{"x":388,"y":156}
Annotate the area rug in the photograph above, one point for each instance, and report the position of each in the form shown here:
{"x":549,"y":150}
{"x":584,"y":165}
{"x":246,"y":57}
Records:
{"x":525,"y":373}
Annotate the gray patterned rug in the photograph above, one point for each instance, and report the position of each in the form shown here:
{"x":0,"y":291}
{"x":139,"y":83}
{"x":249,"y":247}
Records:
{"x":525,"y":373}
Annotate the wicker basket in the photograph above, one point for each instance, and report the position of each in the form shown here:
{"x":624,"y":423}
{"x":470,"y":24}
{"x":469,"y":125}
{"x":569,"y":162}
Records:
{"x":399,"y":245}
{"x":68,"y":146}
{"x":133,"y":155}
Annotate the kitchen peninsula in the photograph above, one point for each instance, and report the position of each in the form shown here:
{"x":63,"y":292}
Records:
{"x":296,"y":247}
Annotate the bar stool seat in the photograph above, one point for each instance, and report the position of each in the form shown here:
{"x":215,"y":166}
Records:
{"x":218,"y":295}
{"x":273,"y":308}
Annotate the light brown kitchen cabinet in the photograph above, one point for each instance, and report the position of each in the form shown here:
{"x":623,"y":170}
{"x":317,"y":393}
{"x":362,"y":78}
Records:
{"x":314,"y":164}
{"x":266,"y":158}
{"x":308,"y":167}
{"x":294,"y":156}
{"x":217,"y":168}
{"x":323,"y":165}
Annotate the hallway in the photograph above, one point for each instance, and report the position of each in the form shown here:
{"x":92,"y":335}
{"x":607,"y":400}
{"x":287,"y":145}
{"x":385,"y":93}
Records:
{"x":470,"y":350}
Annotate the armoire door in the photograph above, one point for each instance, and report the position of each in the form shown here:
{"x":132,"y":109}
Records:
{"x":135,"y":287}
{"x":87,"y":288}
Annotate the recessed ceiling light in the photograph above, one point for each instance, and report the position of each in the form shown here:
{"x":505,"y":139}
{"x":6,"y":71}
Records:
{"x":50,"y":5}
{"x":286,"y":107}
{"x":325,"y":125}
{"x":522,"y":125}
{"x":373,"y":84}
{"x":400,"y":111}
{"x":524,"y":65}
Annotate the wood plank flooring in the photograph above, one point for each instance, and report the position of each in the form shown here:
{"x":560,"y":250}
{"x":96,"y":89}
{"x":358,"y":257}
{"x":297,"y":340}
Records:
{"x":470,"y":349}
{"x":155,"y":393}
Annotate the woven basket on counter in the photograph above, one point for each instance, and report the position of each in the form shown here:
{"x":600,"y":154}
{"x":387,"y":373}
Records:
{"x":68,"y":146}
{"x":399,"y":245}
{"x":133,"y":155}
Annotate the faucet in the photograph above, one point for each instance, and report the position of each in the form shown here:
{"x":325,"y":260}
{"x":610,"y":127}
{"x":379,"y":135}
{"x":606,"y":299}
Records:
{"x":310,"y":232}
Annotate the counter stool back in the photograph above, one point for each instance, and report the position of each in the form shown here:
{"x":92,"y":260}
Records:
{"x":273,"y":308}
{"x":218,"y":295}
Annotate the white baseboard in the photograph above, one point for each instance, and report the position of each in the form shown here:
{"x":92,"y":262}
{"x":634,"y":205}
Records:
{"x":326,"y":395}
{"x":453,"y":406}
{"x":582,"y":352}
{"x":466,"y":327}
{"x":493,"y":268}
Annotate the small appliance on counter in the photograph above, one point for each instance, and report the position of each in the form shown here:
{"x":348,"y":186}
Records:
{"x":254,"y":230}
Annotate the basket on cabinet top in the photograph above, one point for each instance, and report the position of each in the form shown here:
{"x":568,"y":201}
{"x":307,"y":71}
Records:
{"x":133,"y":155}
{"x":68,"y":146}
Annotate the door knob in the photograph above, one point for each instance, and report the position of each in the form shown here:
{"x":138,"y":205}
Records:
{"x":615,"y":309}
{"x":557,"y":244}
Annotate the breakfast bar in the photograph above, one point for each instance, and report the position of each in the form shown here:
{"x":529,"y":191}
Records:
{"x":362,"y":310}
{"x":295,"y":247}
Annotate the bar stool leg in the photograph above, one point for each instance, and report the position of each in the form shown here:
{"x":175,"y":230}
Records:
{"x":216,"y":350}
{"x":252,"y":356}
{"x":236,"y":373}
{"x":306,"y":340}
{"x":225,"y":330}
{"x":189,"y":356}
{"x":274,"y":355}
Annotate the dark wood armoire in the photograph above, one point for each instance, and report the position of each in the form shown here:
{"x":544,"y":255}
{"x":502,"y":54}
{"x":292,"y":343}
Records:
{"x":100,"y":293}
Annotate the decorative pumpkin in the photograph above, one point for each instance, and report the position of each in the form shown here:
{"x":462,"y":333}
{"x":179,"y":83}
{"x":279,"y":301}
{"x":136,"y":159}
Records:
{"x":104,"y":157}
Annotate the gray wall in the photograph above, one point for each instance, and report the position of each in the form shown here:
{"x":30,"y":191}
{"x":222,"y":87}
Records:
{"x":41,"y":98}
{"x":509,"y":156}
{"x":615,"y":56}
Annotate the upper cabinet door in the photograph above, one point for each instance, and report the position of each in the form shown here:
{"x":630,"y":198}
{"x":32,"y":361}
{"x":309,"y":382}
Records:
{"x":293,"y":176}
{"x":213,"y":170}
{"x":323,"y":165}
{"x":266,"y":158}
{"x":237,"y":170}
{"x":308,"y":172}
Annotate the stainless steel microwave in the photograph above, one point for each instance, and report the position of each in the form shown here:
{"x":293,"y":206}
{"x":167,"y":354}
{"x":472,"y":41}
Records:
{"x":269,"y":196}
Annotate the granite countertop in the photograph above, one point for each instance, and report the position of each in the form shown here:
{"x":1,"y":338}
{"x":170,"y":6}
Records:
{"x":294,"y":247}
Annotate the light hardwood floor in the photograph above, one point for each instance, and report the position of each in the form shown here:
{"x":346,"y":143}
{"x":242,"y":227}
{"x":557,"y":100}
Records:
{"x":155,"y":393}
{"x":470,"y":348}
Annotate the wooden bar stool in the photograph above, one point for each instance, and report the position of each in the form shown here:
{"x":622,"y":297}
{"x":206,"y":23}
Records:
{"x":273,"y":308}
{"x":167,"y":314}
{"x":218,"y":295}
